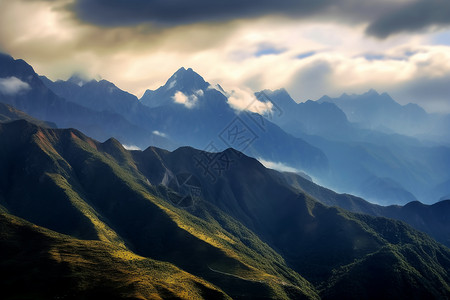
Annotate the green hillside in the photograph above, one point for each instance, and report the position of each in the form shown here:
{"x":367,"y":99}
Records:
{"x":64,"y":181}
{"x":315,"y":240}
{"x":247,"y":233}
{"x":42,"y":264}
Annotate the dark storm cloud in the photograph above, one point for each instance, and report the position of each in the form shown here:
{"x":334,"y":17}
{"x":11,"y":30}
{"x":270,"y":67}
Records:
{"x":384,"y":17}
{"x":412,"y":17}
{"x":175,"y":12}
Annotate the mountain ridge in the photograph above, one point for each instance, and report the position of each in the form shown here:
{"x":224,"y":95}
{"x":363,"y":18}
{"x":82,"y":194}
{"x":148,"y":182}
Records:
{"x":186,"y":106}
{"x":130,"y":198}
{"x":105,"y":194}
{"x":40,"y":102}
{"x":315,"y":138}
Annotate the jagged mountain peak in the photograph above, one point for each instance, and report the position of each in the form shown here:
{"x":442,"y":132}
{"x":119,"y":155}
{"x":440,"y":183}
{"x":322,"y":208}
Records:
{"x":10,"y":67}
{"x":279,"y":97}
{"x":184,"y":79}
{"x":326,"y":98}
{"x":371,"y":92}
{"x":103,"y":84}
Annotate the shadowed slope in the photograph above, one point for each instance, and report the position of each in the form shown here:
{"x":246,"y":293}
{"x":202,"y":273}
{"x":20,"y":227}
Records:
{"x":432,"y":219}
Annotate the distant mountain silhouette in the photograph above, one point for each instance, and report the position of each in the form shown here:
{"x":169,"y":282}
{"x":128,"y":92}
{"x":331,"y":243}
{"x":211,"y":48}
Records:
{"x":42,"y":103}
{"x":96,"y":95}
{"x":9,"y":113}
{"x":311,"y":117}
{"x":387,"y":168}
{"x":380,"y":112}
{"x":204,"y":120}
{"x":316,"y":138}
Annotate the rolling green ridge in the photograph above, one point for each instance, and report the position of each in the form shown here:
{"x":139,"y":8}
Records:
{"x":247,"y":233}
{"x":43,"y":264}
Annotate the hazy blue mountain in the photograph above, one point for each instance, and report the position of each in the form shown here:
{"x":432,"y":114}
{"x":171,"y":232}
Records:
{"x":312,"y":137}
{"x":386,"y":169}
{"x":380,"y":112}
{"x":97,"y":95}
{"x":103,"y":96}
{"x":9,"y":113}
{"x":249,"y":233}
{"x":381,"y":167}
{"x":184,"y":80}
{"x":310,"y":117}
{"x":191,"y":112}
{"x":37,"y":100}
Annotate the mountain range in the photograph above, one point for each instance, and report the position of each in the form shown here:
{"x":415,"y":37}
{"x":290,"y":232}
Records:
{"x":38,"y":101}
{"x":386,"y":168}
{"x":156,"y":225}
{"x":381,"y":112}
{"x":86,"y":219}
{"x":136,"y":125}
{"x":315,"y":137}
{"x":432,"y":219}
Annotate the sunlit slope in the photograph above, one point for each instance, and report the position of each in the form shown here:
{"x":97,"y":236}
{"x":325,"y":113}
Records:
{"x":38,"y":263}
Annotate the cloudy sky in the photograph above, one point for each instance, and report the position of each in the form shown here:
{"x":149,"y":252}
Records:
{"x":311,"y":48}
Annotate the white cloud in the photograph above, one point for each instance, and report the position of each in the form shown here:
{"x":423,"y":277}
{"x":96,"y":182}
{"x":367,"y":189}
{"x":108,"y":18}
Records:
{"x":131,"y":147}
{"x":244,"y":99}
{"x":278,"y":166}
{"x":12,"y":86}
{"x":156,"y":132}
{"x":188,"y":101}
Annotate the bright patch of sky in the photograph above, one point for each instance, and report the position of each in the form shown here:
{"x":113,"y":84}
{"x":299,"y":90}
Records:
{"x":268,"y":51}
{"x":441,"y":38}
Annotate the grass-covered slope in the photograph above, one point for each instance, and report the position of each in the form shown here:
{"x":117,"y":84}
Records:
{"x":407,"y":264}
{"x":316,"y":241}
{"x":64,"y":181}
{"x":244,"y":230}
{"x":41,"y":264}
